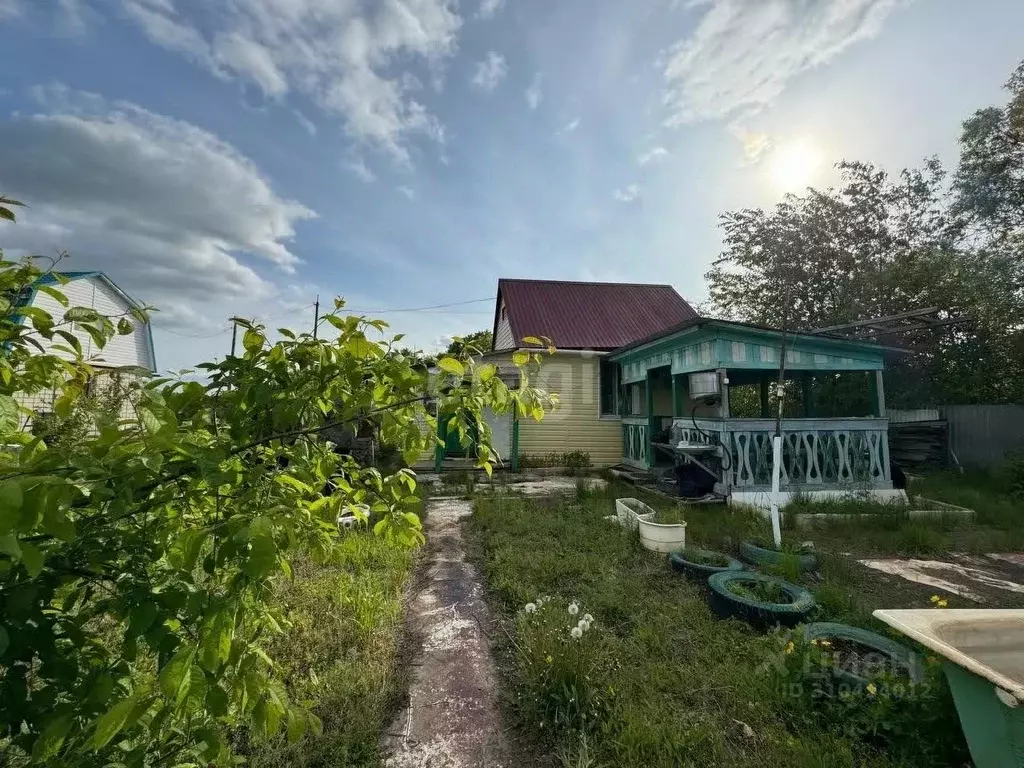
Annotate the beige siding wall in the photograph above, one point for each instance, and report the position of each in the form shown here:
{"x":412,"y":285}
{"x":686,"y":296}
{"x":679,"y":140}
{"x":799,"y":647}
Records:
{"x":576,"y":424}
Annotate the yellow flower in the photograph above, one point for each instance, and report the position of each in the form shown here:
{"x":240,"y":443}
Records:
{"x":789,"y":647}
{"x":941,"y":604}
{"x":872,"y":689}
{"x":549,"y":659}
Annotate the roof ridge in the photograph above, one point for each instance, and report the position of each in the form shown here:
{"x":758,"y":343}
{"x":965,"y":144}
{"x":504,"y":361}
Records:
{"x":582,"y":282}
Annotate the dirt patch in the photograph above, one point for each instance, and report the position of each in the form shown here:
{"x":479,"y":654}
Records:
{"x":984,"y":579}
{"x":553,"y":485}
{"x":451,"y":720}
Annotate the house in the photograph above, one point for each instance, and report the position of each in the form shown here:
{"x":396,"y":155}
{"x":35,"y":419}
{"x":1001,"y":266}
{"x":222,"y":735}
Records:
{"x":645,"y":382}
{"x":585,"y":322}
{"x":96,"y":291}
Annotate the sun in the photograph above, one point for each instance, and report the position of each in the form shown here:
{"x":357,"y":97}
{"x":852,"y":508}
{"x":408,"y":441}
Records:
{"x":793,"y":166}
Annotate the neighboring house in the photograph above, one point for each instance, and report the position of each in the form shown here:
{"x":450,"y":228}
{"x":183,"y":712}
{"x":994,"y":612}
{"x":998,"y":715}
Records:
{"x":584,"y":322}
{"x":96,"y":291}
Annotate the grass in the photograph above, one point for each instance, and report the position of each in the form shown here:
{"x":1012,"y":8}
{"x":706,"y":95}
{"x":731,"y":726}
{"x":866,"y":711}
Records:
{"x":703,"y":557}
{"x":341,"y":649}
{"x":688,"y":688}
{"x":762,"y":592}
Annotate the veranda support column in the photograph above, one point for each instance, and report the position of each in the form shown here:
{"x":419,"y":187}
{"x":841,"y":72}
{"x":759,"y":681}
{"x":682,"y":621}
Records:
{"x":880,"y":393}
{"x":649,"y":410}
{"x":677,"y":396}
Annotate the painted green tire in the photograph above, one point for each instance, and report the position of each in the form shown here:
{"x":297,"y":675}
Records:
{"x":760,"y":614}
{"x":908,"y":660}
{"x":701,"y":571}
{"x":761,"y":556}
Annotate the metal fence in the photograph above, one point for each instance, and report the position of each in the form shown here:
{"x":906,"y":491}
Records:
{"x":983,"y":435}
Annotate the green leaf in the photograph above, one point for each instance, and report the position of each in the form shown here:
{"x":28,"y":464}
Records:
{"x":175,"y":676}
{"x":294,"y":482}
{"x":32,"y":558}
{"x":5,"y":640}
{"x":520,"y":358}
{"x":11,"y":499}
{"x":216,"y":643}
{"x":57,"y":523}
{"x":452,"y":366}
{"x":533,"y":340}
{"x":150,"y":421}
{"x":81,"y":315}
{"x":9,"y":546}
{"x":252,"y":340}
{"x":52,"y":738}
{"x":296,"y":725}
{"x":53,"y":293}
{"x":110,"y":724}
{"x":124,"y":326}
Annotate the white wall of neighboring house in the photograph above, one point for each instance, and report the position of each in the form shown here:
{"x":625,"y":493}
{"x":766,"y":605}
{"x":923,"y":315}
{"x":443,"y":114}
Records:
{"x":96,"y":293}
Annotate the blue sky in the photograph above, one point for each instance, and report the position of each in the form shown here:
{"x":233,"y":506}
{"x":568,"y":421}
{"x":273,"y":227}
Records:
{"x":222,"y":157}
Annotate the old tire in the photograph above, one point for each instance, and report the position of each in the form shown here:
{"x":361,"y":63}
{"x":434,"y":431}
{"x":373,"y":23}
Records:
{"x":903,"y":657}
{"x":756,"y":555}
{"x":760,"y":614}
{"x":701,"y":571}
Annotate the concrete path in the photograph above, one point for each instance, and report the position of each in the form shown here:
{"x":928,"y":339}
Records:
{"x":452,"y":719}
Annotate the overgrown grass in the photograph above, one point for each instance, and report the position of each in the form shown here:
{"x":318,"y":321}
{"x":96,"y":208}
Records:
{"x":340,"y":648}
{"x":687,"y":688}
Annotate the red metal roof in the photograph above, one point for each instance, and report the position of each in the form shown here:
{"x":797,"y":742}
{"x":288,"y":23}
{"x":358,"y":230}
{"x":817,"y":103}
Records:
{"x":589,"y":315}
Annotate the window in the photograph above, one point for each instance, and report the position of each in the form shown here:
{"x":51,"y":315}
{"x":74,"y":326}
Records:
{"x":608,"y":373}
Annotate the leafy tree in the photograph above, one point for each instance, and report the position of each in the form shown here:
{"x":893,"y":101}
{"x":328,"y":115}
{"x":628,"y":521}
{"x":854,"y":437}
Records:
{"x":137,"y":563}
{"x":877,"y":246}
{"x":470,"y":344}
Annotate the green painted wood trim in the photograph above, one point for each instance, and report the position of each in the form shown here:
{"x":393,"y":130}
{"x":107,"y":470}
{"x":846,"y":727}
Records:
{"x":515,"y":442}
{"x":677,"y":396}
{"x":649,"y":397}
{"x":439,"y":449}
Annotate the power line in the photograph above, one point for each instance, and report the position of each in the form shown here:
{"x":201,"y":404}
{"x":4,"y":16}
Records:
{"x":423,"y":309}
{"x":228,"y":330}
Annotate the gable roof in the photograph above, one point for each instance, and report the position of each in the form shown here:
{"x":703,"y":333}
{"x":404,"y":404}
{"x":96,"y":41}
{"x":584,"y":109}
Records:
{"x":577,"y":315}
{"x":50,"y":279}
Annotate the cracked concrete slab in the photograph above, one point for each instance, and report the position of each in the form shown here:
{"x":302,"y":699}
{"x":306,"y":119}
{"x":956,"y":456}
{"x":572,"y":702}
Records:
{"x":452,"y":719}
{"x":971,"y":577}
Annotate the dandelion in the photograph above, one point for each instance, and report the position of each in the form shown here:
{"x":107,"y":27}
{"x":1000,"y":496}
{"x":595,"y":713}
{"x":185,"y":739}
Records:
{"x":789,"y":647}
{"x":826,"y":643}
{"x":588,"y":618}
{"x":530,"y":608}
{"x":584,"y":625}
{"x":573,"y":609}
{"x":872,"y":689}
{"x":576,"y":633}
{"x":549,"y":659}
{"x":939,"y":602}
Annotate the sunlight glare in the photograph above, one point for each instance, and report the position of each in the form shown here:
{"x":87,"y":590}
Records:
{"x":792,"y":167}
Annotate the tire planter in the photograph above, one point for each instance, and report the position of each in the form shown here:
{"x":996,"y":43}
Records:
{"x":895,"y":653}
{"x":760,"y":614}
{"x":756,"y":555}
{"x":701,"y":571}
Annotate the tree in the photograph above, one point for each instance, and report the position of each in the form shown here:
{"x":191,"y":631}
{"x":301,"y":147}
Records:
{"x":137,"y":563}
{"x":879,"y":246}
{"x":470,"y":344}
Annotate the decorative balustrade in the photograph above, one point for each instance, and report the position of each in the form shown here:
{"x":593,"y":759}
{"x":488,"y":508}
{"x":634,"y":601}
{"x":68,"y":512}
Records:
{"x":635,"y":441}
{"x":817,"y":454}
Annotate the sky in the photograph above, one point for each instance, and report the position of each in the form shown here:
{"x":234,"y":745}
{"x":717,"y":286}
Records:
{"x":242,"y":157}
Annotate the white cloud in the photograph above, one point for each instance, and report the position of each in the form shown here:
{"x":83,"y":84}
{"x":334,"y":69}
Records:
{"x":742,"y":53}
{"x":305,"y":122}
{"x":409,"y":192}
{"x":361,"y":170}
{"x":658,"y":153}
{"x":488,"y":8}
{"x":345,"y":55}
{"x":569,"y":127}
{"x":170,"y":211}
{"x":627,"y":194}
{"x":534,"y":94}
{"x":490,"y":72}
{"x":10,"y":9}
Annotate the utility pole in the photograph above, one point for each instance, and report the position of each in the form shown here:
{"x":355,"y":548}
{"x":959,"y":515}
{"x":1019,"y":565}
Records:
{"x":780,"y":393}
{"x":234,"y":335}
{"x":316,"y":315}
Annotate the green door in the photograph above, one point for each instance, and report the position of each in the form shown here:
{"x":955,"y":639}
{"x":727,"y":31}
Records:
{"x":452,"y":446}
